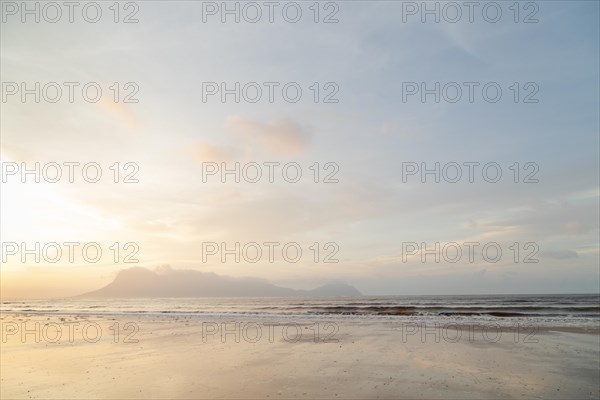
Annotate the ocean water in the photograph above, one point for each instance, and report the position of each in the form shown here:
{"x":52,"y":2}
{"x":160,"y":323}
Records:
{"x":578,"y":310}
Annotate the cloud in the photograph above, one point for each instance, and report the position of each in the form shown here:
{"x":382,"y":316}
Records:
{"x":278,"y":137}
{"x":122,"y":112}
{"x":559,"y":254}
{"x":576,"y":227}
{"x":205,"y":151}
{"x":163,"y":269}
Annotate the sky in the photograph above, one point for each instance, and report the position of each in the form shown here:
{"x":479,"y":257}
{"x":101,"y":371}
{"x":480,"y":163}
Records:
{"x":365,"y":211}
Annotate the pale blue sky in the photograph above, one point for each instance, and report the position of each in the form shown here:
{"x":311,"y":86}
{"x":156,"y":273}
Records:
{"x":369,"y":133}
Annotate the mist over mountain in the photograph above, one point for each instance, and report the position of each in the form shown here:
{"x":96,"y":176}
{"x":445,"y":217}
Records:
{"x":168,"y":282}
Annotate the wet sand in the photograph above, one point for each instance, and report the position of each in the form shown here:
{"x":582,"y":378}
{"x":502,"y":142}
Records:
{"x":177,"y":357}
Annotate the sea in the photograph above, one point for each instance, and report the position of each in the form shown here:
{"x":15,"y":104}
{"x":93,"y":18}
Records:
{"x":572,"y":310}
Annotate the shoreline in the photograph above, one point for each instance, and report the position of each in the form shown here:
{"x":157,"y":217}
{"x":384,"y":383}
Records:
{"x":506,"y":324}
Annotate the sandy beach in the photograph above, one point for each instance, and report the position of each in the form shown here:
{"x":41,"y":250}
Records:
{"x":177,"y":357}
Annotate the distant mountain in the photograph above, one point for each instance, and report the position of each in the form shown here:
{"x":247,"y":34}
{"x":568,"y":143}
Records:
{"x":168,"y":282}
